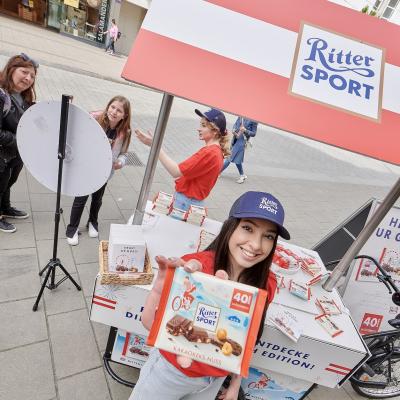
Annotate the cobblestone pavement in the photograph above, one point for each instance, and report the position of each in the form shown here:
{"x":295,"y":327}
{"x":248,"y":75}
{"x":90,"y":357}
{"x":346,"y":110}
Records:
{"x":56,"y":352}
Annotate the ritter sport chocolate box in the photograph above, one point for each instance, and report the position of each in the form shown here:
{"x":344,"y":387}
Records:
{"x":208,"y":319}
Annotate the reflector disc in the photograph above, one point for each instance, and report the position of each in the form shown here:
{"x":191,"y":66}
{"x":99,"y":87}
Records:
{"x":88,"y":158}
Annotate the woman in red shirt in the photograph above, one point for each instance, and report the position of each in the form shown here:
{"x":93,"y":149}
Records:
{"x":196,"y":176}
{"x":241,"y":252}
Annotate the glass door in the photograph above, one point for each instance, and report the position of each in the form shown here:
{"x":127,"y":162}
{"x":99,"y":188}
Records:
{"x":54,"y":14}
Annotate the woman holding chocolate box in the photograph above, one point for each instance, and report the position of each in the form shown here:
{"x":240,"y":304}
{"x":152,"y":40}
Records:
{"x":241,"y":252}
{"x":196,"y":176}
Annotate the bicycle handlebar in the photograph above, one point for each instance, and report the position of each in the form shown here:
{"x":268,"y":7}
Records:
{"x":384,"y":277}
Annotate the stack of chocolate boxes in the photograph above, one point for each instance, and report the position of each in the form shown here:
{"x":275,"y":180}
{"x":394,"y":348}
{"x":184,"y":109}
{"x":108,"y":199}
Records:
{"x":162,"y":203}
{"x":205,"y":240}
{"x":196,"y":215}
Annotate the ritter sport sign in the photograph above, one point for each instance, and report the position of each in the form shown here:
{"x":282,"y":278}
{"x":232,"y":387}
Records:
{"x":309,"y":67}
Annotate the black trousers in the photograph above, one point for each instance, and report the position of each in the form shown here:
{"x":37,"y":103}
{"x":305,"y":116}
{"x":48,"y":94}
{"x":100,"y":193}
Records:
{"x":7,"y":178}
{"x":77,"y":210}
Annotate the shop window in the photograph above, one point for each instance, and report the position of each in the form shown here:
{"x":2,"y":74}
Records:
{"x":88,"y":20}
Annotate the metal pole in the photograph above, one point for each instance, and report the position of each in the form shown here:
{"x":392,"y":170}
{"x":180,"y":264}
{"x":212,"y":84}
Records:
{"x":364,"y":235}
{"x":153,"y":158}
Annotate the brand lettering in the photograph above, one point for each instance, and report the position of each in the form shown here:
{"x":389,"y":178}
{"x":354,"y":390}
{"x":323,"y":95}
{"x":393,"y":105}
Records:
{"x":207,"y":317}
{"x":341,"y":62}
{"x":268,"y":205}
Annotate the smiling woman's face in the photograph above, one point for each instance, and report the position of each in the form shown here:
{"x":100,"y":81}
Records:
{"x":250,"y":243}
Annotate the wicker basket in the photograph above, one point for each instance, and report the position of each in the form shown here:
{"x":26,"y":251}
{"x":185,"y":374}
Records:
{"x":113,"y":278}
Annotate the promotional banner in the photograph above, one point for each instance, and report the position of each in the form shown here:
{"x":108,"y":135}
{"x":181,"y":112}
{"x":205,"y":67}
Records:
{"x":368,"y":299}
{"x":323,"y":71}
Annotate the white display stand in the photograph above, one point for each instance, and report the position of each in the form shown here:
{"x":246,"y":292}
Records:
{"x":315,"y":358}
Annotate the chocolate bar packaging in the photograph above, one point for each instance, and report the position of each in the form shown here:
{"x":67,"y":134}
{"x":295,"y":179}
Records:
{"x":208,"y":319}
{"x":196,"y":215}
{"x":162,"y":203}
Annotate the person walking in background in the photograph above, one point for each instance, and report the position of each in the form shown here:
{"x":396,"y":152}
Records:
{"x":113,"y":31}
{"x":116,"y":122}
{"x":242,"y":131}
{"x":17,"y":94}
{"x":196,"y":176}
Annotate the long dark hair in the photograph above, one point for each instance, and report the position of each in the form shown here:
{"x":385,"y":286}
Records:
{"x":124,"y":126}
{"x":6,"y":82}
{"x":256,"y":276}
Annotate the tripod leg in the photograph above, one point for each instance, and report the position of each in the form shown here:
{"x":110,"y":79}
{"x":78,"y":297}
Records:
{"x":44,"y":269}
{"x":69,"y":277}
{"x":49,"y":269}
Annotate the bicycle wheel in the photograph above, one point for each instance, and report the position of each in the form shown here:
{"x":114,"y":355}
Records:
{"x":381,"y":368}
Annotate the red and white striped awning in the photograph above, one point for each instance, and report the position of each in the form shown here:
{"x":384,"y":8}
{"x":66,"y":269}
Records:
{"x":306,"y":66}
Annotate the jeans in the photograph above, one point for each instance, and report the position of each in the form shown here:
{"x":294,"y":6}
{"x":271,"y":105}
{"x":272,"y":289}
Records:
{"x":161,"y":380}
{"x":239,"y":167}
{"x":183,"y":202}
{"x":7,"y":178}
{"x":77,"y":210}
{"x":111,"y":45}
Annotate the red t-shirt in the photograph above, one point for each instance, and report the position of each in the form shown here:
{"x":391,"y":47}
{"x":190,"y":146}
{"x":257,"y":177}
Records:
{"x":198,"y":369}
{"x":200,"y":172}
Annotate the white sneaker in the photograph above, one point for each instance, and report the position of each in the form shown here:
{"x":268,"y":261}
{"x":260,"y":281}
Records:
{"x":241,"y":179}
{"x":92,"y":231}
{"x":74,"y":240}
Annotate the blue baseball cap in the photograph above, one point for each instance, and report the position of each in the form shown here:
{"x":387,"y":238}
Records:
{"x":216,"y":117}
{"x":260,"y":205}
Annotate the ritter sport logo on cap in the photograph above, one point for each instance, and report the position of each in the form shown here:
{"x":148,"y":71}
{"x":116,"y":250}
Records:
{"x":216,"y":117}
{"x":260,"y":205}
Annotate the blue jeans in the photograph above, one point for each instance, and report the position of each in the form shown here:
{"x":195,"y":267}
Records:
{"x":161,"y":380}
{"x":183,"y":202}
{"x":239,"y":166}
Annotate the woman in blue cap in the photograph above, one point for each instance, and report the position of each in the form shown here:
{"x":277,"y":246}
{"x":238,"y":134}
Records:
{"x":196,"y":176}
{"x":241,"y":252}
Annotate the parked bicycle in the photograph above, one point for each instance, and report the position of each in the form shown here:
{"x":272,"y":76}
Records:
{"x":379,"y":377}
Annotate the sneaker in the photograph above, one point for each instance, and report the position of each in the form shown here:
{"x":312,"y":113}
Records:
{"x":74,"y":240}
{"x":93,"y":233}
{"x":6,"y":226}
{"x":14,"y":213}
{"x":241,"y":179}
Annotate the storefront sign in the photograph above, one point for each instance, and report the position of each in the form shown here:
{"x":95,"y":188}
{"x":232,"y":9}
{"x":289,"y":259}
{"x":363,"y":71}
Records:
{"x":72,"y":3}
{"x":103,"y":20}
{"x":320,"y":70}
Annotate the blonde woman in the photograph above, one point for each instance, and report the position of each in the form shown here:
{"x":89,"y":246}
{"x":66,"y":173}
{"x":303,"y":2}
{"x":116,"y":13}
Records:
{"x":196,"y":176}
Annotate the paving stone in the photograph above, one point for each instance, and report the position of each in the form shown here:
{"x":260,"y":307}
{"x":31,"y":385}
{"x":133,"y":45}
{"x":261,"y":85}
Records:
{"x":43,"y":202}
{"x":87,"y":249}
{"x":26,"y":373}
{"x":118,"y":391}
{"x":86,"y":385}
{"x":18,"y":274}
{"x":74,"y":347}
{"x":109,"y":209}
{"x":45,"y":251}
{"x":44,"y":226}
{"x":22,"y":238}
{"x":21,"y":326}
{"x":65,"y":297}
{"x":87,"y":274}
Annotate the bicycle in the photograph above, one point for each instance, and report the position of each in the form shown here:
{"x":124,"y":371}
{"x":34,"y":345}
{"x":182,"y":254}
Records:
{"x":379,"y":376}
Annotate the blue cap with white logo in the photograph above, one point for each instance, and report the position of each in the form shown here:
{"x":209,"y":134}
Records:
{"x":260,"y":205}
{"x":216,"y":117}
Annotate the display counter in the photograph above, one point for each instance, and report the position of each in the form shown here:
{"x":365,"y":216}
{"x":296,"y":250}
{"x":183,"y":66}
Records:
{"x":316,"y":357}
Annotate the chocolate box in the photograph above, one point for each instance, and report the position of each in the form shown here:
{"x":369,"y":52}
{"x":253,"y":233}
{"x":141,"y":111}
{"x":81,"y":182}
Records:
{"x":210,"y":320}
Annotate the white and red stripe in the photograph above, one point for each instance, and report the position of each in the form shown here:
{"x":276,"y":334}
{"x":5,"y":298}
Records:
{"x":238,"y":55}
{"x":104,"y":302}
{"x":338,"y":369}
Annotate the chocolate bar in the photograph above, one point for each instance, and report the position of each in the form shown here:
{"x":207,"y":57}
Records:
{"x":195,"y":334}
{"x":178,"y":325}
{"x":236,"y":347}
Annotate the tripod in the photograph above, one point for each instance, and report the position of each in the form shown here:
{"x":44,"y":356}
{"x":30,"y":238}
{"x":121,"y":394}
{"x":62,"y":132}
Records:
{"x":55,"y":262}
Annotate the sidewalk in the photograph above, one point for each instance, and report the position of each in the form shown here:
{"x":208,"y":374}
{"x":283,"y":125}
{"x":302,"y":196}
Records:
{"x":56,"y":353}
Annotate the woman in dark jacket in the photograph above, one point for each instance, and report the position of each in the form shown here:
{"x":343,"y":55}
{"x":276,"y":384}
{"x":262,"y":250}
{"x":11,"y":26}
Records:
{"x":17,"y":94}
